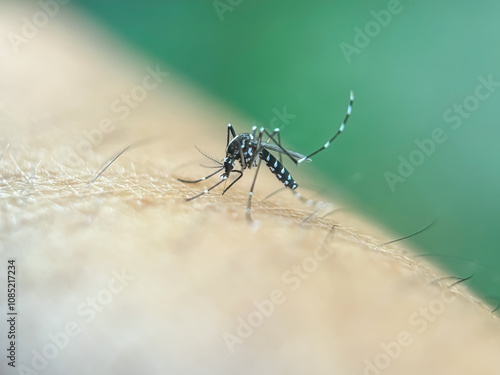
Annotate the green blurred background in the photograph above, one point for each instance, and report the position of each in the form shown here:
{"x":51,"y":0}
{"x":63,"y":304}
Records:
{"x":420,"y":58}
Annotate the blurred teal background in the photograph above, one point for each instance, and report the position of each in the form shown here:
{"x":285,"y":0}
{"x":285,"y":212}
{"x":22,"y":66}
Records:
{"x":419,"y":60}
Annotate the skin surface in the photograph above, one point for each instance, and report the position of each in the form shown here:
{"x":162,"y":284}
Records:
{"x":124,"y":276}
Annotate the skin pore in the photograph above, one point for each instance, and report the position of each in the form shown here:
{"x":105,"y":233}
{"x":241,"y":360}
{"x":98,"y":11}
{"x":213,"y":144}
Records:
{"x":124,"y":276}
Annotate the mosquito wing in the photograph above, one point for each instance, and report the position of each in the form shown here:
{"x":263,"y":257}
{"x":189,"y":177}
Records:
{"x":278,"y":149}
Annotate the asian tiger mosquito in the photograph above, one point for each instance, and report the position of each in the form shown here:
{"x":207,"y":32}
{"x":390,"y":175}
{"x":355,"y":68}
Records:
{"x":250,"y":150}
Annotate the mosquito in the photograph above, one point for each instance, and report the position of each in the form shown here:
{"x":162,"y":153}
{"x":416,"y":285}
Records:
{"x":249,"y":149}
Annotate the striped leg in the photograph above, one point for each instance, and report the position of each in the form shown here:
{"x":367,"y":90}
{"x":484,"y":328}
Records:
{"x":341,"y":129}
{"x":206,"y":190}
{"x":279,"y":147}
{"x":231,"y":130}
{"x":201,"y":179}
{"x":214,"y":186}
{"x":250,"y":194}
{"x":235,"y":181}
{"x":258,"y":155}
{"x":308,"y":202}
{"x":277,"y":132}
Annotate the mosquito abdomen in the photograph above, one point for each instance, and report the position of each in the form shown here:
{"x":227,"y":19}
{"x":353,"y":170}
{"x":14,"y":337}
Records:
{"x":278,"y":169}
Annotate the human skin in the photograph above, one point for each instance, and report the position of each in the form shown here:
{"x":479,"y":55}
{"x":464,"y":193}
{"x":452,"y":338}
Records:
{"x":125,"y":276}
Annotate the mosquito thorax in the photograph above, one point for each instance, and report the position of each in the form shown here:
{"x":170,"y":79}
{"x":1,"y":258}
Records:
{"x":241,"y":141}
{"x":243,"y":144}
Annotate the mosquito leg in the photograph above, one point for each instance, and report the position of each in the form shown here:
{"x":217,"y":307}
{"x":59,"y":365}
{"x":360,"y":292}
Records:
{"x":259,"y":147}
{"x":230,"y":130}
{"x":277,"y":132}
{"x":341,"y":129}
{"x":278,"y":143}
{"x":206,"y":190}
{"x":250,"y":194}
{"x":232,"y":183}
{"x":201,"y":179}
{"x":308,"y":202}
{"x":262,"y":131}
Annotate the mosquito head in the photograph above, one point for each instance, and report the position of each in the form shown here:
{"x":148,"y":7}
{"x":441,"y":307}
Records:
{"x":232,"y":154}
{"x":228,"y":165}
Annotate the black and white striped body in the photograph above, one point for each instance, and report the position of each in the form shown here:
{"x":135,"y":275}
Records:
{"x":278,"y":169}
{"x":243,"y":148}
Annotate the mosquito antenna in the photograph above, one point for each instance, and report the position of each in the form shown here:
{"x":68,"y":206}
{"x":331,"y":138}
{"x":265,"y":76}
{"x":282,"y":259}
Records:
{"x":208,"y":156}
